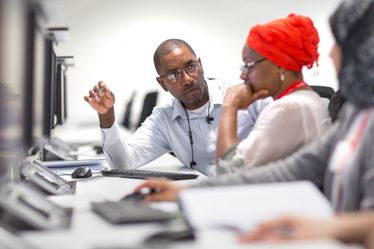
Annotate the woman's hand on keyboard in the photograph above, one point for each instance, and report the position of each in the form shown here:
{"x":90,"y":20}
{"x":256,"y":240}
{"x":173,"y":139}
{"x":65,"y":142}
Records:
{"x":163,"y":190}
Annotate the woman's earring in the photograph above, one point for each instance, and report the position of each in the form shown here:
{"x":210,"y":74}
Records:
{"x":282,"y":77}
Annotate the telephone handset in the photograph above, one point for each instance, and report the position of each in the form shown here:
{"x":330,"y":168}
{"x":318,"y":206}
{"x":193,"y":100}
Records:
{"x":45,"y":179}
{"x":24,"y":207}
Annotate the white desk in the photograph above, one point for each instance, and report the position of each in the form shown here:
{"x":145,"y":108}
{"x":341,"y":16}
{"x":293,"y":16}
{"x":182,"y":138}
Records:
{"x":88,"y":230}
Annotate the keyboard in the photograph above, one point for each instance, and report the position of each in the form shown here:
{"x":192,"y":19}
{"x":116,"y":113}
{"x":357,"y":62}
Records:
{"x":123,"y":212}
{"x":143,"y":174}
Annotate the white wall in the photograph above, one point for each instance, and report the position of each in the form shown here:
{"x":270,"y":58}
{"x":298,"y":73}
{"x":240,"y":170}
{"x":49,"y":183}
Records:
{"x":114,"y":40}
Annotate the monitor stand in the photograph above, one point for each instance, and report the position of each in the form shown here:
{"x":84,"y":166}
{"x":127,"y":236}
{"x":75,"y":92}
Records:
{"x":55,"y":150}
{"x":45,"y":179}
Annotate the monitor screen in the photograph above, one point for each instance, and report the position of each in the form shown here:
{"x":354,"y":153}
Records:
{"x":37,"y":93}
{"x":43,"y":92}
{"x":14,"y":39}
{"x":49,"y":88}
{"x":61,"y":95}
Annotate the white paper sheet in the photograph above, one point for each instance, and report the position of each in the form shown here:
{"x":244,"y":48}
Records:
{"x":245,"y":206}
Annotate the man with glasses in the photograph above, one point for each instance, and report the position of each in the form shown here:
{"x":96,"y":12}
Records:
{"x":186,"y":126}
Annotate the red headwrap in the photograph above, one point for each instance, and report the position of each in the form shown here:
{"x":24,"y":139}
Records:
{"x":290,"y":42}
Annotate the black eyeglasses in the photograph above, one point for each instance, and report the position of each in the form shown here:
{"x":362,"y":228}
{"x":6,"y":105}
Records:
{"x":176,"y":75}
{"x":248,"y":66}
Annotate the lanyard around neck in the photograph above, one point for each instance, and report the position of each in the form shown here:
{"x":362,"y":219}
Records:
{"x":293,"y":87}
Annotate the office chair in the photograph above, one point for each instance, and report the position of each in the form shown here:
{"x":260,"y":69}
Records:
{"x":336,"y":103}
{"x":126,"y":122}
{"x":150,"y":101}
{"x":336,"y":99}
{"x":324,"y":91}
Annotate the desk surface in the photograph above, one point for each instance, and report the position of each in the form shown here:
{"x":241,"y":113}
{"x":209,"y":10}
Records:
{"x":89,"y":231}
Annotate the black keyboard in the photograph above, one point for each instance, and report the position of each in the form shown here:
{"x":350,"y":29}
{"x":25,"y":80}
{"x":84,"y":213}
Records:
{"x":143,"y":174}
{"x":129,"y":212}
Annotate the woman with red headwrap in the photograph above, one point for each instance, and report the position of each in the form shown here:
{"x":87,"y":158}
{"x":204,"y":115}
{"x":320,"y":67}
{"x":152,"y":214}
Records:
{"x":274,"y":55}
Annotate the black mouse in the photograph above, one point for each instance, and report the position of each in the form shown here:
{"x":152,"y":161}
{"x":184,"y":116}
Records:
{"x":170,"y":236}
{"x":134,"y":197}
{"x":82,"y":172}
{"x":138,"y":196}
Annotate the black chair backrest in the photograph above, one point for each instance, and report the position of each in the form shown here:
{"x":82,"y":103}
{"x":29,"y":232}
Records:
{"x":324,"y":91}
{"x":336,"y":103}
{"x":150,"y":101}
{"x":126,"y":122}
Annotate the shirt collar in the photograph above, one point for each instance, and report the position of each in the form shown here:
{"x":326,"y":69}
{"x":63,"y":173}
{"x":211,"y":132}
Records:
{"x":215,"y":92}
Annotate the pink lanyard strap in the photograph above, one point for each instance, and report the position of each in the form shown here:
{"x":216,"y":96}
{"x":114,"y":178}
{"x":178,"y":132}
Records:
{"x":354,"y":136}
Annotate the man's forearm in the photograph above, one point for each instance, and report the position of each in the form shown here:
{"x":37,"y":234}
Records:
{"x":227,"y":131}
{"x":107,"y":119}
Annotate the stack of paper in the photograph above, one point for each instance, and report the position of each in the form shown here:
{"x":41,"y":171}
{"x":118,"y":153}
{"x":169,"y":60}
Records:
{"x":245,"y":206}
{"x":67,"y":167}
{"x":71,"y":163}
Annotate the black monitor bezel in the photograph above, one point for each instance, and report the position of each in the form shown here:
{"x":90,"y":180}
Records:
{"x":49,"y":88}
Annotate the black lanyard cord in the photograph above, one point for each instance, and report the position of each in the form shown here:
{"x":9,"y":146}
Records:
{"x":193,"y":163}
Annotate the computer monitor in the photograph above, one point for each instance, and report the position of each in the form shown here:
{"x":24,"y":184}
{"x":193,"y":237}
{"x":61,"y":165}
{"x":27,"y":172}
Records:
{"x":21,"y":65}
{"x":56,"y":100}
{"x":45,"y":99}
{"x":61,"y":95}
{"x":49,"y":88}
{"x":40,"y":99}
{"x":43,"y":105}
{"x":42,"y":94}
{"x":37,"y":88}
{"x":26,"y":58}
{"x":28,"y":88}
{"x":13,"y":63}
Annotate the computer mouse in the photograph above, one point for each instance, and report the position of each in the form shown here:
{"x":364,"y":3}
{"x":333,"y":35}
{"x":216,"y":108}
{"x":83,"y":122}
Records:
{"x":82,"y":172}
{"x":136,"y":196}
{"x":168,"y":236}
{"x":139,"y":196}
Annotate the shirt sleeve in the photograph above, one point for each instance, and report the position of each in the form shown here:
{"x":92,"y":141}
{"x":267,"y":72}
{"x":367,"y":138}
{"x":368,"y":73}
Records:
{"x":308,"y":163}
{"x":255,"y":109}
{"x":146,"y":144}
{"x":278,"y":132}
{"x":281,"y":128}
{"x":227,"y":163}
